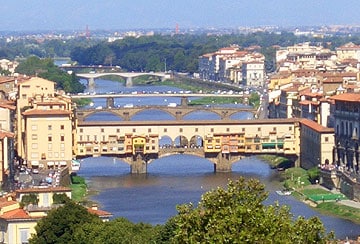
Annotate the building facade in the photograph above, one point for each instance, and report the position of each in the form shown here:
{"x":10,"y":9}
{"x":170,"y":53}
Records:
{"x":317,"y":144}
{"x":347,"y":127}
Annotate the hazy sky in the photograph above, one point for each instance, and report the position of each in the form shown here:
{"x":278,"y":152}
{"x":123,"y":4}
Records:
{"x":131,"y":14}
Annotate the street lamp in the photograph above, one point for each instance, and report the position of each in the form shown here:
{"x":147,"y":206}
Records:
{"x":165,"y":65}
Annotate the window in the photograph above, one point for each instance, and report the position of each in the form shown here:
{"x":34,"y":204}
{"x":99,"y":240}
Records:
{"x":102,"y":129}
{"x":243,"y":129}
{"x":227,"y":129}
{"x":62,"y":146}
{"x":34,"y":146}
{"x":149,"y":130}
{"x":49,"y":127}
{"x":34,"y":136}
{"x":259,"y":128}
{"x":181,"y":130}
{"x":117,"y":130}
{"x":326,"y":139}
{"x":49,"y":146}
{"x":81,"y":130}
{"x":212,"y":130}
{"x":56,"y":155}
{"x":196,"y":129}
{"x":134,"y":130}
{"x":62,"y":127}
{"x":34,"y":155}
{"x":49,"y":138}
{"x":165,"y":129}
{"x":62,"y":138}
{"x":34,"y":127}
{"x":24,"y":235}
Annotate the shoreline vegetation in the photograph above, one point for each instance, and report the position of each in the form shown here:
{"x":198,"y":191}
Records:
{"x":303,"y":185}
{"x":294,"y":180}
{"x":188,"y":84}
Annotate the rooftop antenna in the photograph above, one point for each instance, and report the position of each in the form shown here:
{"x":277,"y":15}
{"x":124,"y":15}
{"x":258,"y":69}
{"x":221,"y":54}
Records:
{"x":87,"y":32}
{"x":177,"y":28}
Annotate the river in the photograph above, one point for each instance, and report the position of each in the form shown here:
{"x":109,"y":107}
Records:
{"x":178,"y":179}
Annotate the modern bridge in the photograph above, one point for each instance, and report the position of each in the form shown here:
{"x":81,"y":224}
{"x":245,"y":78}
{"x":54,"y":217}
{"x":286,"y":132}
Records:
{"x":222,"y":142}
{"x":127,"y":75}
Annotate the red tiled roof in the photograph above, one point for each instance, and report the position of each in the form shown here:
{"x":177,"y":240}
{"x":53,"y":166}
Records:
{"x":4,"y":134}
{"x":4,"y":202}
{"x":307,"y":102}
{"x":8,"y":106}
{"x":350,"y":97}
{"x":100,"y":213}
{"x":46,"y":112}
{"x":17,"y":214}
{"x":315,"y":126}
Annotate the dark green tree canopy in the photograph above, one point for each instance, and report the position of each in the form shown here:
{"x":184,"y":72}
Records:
{"x":61,"y":223}
{"x":45,"y":68}
{"x":237,"y":215}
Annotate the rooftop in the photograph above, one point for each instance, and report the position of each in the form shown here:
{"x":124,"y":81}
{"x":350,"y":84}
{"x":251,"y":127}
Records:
{"x":349,"y":97}
{"x":315,"y":126}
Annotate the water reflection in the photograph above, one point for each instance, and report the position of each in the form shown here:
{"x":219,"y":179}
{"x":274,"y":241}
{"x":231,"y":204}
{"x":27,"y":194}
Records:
{"x":178,"y":179}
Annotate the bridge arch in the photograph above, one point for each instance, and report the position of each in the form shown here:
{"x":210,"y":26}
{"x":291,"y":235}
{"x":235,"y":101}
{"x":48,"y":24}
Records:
{"x":193,"y":114}
{"x":113,"y":117}
{"x":150,"y":111}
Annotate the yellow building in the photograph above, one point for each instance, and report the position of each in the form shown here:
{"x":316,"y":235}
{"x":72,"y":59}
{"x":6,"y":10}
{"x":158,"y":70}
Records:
{"x":17,"y":224}
{"x":44,"y":131}
{"x":317,"y":143}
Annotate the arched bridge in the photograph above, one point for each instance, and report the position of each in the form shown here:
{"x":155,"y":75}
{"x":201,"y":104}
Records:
{"x":127,"y":75}
{"x":222,"y":141}
{"x":177,"y":113}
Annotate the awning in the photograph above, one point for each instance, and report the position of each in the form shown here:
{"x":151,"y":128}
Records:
{"x":63,"y":163}
{"x":50,"y":163}
{"x":271,"y":144}
{"x":35,"y":163}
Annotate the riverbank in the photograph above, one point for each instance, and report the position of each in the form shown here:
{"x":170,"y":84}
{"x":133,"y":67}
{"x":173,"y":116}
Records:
{"x":321,"y":199}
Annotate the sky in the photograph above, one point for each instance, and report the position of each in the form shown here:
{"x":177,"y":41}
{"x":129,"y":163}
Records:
{"x":32,"y":15}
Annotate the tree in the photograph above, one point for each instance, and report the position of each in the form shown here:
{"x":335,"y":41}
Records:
{"x":60,"y":224}
{"x":119,"y":231}
{"x":237,"y":215}
{"x":45,"y":68}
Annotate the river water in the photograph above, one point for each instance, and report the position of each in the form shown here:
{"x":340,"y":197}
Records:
{"x":178,"y":179}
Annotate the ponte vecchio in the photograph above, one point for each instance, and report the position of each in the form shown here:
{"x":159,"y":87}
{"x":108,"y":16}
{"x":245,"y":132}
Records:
{"x":222,"y":142}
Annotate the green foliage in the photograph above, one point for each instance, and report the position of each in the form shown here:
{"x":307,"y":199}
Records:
{"x":119,"y":231}
{"x":45,"y":68}
{"x":237,"y":215}
{"x":60,"y":198}
{"x":254,"y":99}
{"x":60,"y":224}
{"x":80,"y":102}
{"x":29,"y":199}
{"x":314,"y":174}
{"x":78,"y":188}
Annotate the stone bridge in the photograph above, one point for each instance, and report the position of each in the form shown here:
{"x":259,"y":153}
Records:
{"x":222,"y":142}
{"x":177,"y":113}
{"x":127,"y":75}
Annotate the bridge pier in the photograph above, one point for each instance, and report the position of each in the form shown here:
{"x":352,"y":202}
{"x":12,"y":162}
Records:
{"x":184,"y":101}
{"x":110,"y":102}
{"x":223,"y":163}
{"x":128,"y":82}
{"x":138,"y":165}
{"x":91,"y":82}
